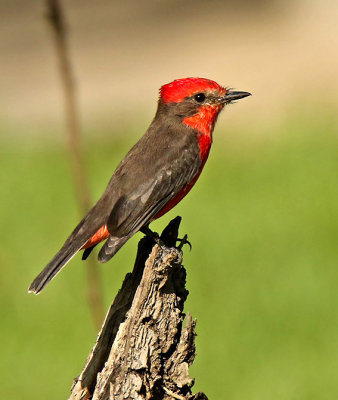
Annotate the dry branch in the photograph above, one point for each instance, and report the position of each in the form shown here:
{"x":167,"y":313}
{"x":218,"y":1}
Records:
{"x":58,"y":25}
{"x":143,"y":351}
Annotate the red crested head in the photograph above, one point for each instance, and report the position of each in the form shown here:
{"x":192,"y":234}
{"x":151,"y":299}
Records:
{"x":179,"y":89}
{"x":198,"y":101}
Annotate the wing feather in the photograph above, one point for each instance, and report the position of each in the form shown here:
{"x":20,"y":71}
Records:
{"x":133,"y":212}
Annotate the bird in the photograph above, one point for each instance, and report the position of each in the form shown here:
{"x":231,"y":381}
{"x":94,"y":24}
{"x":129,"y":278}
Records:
{"x":154,"y":176}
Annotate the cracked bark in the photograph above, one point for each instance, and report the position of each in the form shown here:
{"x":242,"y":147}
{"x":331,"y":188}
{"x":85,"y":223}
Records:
{"x":143,"y":351}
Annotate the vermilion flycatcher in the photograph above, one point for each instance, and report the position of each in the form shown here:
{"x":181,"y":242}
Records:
{"x":154,"y":176}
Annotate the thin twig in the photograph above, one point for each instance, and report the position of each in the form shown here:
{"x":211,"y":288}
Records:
{"x":57,"y":22}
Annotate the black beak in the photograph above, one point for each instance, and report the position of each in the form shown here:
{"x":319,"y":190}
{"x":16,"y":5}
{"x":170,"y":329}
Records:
{"x":232,"y":96}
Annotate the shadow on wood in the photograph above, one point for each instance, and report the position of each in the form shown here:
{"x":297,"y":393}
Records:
{"x":142,"y":350}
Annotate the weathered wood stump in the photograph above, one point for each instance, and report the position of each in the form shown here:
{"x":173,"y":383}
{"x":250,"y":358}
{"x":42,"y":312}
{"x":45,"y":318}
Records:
{"x":143,"y":351}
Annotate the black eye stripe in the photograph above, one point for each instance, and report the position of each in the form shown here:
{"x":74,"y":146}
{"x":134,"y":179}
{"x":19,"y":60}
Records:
{"x":199,"y":97}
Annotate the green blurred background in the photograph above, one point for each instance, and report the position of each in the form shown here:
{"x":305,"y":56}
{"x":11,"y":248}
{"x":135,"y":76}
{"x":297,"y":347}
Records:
{"x":263,"y":218}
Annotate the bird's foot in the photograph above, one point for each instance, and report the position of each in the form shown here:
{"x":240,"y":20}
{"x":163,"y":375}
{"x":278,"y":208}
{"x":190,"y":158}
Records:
{"x":169,"y":235}
{"x":184,"y":241}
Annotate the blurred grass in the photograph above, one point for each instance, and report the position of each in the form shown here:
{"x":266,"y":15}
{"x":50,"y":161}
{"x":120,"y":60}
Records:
{"x":262,"y":275}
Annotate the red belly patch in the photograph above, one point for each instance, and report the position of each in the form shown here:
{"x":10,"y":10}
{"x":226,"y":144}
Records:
{"x":100,"y":235}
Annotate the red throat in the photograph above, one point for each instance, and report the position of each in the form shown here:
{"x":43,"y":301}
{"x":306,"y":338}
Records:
{"x":204,"y":122}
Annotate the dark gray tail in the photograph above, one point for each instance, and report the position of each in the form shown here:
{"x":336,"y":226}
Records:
{"x":51,"y":269}
{"x":68,"y":251}
{"x":111,"y":247}
{"x":89,"y":225}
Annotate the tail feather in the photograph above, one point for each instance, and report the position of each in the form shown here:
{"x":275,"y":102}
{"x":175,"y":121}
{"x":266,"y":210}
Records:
{"x":81,"y":234}
{"x":111,"y":247}
{"x":87,"y":251}
{"x":52,"y":269}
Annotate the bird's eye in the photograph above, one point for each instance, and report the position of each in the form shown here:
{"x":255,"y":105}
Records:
{"x":199,"y":97}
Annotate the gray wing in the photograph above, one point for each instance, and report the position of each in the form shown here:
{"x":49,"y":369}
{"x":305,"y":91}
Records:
{"x":136,"y":209}
{"x":132,"y":212}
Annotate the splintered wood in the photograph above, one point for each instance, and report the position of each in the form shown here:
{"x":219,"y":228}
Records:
{"x":143,"y":351}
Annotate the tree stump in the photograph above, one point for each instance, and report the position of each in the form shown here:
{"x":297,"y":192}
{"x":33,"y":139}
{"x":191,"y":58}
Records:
{"x":143,"y":351}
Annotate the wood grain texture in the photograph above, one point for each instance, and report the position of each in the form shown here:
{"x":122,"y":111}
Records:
{"x":143,"y":351}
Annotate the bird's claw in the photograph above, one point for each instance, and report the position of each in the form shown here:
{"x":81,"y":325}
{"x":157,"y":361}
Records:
{"x":184,"y":241}
{"x":157,"y":239}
